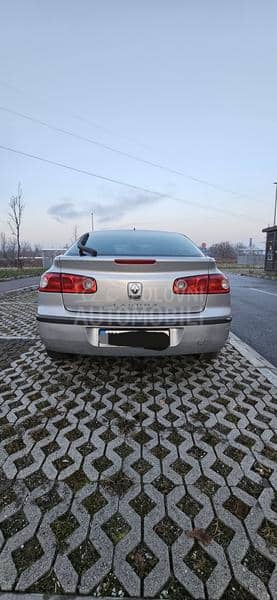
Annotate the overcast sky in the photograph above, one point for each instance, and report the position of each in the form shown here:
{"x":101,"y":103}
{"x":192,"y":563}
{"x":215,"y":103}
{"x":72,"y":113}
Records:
{"x":190,"y":85}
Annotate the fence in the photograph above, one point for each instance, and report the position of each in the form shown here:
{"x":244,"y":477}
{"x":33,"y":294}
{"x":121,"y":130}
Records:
{"x":251,"y":260}
{"x":26,"y":261}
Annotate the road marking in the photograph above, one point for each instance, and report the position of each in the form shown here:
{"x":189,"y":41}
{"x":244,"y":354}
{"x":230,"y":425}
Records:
{"x":11,"y":338}
{"x":22,"y":289}
{"x":263,"y":291}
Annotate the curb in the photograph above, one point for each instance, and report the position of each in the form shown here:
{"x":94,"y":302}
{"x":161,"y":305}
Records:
{"x":16,"y":290}
{"x":4,"y":279}
{"x":268,"y":370}
{"x":266,"y":277}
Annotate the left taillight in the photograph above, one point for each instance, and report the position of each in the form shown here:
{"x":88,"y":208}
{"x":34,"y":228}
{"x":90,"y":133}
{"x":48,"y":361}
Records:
{"x":50,"y":282}
{"x":67,"y":283}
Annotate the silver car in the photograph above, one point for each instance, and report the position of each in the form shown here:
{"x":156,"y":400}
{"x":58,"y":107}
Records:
{"x":134,"y":292}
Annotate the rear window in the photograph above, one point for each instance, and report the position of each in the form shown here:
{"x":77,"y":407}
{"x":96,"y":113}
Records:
{"x":138,"y":243}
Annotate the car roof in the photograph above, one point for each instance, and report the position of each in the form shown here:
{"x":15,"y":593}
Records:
{"x":137,"y":230}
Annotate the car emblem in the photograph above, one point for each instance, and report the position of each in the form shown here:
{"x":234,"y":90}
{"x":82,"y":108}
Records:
{"x":134,"y":289}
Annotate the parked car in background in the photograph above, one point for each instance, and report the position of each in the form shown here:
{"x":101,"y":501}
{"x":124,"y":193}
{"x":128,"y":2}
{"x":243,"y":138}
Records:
{"x":134,"y":292}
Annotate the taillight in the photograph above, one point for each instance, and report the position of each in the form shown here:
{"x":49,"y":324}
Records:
{"x":67,"y":284}
{"x":202,"y":284}
{"x":50,"y":282}
{"x":191,"y":285}
{"x":218,"y":284}
{"x":78,"y":284}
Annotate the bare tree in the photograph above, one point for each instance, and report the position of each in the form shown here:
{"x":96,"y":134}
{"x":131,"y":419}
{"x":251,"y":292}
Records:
{"x":222,"y":250}
{"x":26,"y":249}
{"x":75,"y":234}
{"x":15,"y":219}
{"x":3,"y":244}
{"x":11,"y":249}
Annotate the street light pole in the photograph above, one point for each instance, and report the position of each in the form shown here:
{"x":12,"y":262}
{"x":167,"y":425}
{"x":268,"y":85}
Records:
{"x":275,"y":204}
{"x":92,"y":224}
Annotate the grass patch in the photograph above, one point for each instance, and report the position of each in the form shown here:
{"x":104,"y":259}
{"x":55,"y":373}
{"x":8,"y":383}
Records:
{"x":219,"y":532}
{"x":77,"y":481}
{"x":116,"y":528}
{"x":258,"y":564}
{"x":200,"y":562}
{"x":168,"y":531}
{"x":83,"y":557}
{"x":268,"y":531}
{"x":117,"y":485}
{"x":142,"y":560}
{"x":110,"y":586}
{"x":63,"y":527}
{"x":190,"y":506}
{"x":142,"y":504}
{"x":237,"y":507}
{"x":13,"y":524}
{"x":94,"y":503}
{"x":14,"y":272}
{"x":48,"y":584}
{"x":27,"y":554}
{"x":174,"y":589}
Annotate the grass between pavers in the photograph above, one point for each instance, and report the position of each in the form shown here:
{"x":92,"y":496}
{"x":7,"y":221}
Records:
{"x":90,"y":400}
{"x":15,"y":273}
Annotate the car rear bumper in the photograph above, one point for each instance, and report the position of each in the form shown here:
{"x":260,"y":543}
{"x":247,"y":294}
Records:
{"x":81,"y":336}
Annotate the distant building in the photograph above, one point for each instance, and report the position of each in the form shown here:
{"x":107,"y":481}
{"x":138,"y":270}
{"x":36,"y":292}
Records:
{"x":251,"y":255}
{"x":254,"y":258}
{"x":49,"y":255}
{"x":271,"y":249}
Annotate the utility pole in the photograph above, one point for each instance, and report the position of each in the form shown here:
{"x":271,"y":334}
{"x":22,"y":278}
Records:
{"x":275,"y":204}
{"x":92,"y":223}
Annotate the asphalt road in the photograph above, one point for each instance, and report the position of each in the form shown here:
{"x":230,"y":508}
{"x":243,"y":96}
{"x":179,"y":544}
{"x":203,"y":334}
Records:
{"x":15,"y":284}
{"x":254,"y":306}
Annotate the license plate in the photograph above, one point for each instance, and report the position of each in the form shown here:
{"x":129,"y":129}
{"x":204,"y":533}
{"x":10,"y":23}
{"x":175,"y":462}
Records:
{"x":135,"y":338}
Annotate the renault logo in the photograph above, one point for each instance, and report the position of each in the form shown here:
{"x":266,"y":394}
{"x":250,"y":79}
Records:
{"x":134,"y":289}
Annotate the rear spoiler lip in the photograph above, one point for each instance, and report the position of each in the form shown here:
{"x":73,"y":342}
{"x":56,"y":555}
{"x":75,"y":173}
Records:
{"x":121,"y":263}
{"x":157,"y":258}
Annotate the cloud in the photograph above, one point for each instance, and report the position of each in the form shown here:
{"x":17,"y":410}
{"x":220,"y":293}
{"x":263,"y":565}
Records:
{"x":105,"y":213}
{"x":122,"y":206}
{"x":65,"y":211}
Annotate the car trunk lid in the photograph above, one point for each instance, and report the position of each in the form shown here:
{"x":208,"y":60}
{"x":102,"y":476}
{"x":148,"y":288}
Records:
{"x":115,"y":276}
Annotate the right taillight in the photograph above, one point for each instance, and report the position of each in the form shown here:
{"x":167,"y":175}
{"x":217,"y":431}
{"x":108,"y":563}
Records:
{"x":191,"y":285}
{"x":67,"y":283}
{"x":202,"y":284}
{"x":218,"y":284}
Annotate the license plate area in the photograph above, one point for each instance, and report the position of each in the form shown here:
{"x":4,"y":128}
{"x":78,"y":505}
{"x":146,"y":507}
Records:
{"x":149,"y":339}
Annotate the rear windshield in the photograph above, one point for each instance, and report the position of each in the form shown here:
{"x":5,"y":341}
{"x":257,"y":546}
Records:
{"x":138,"y":243}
